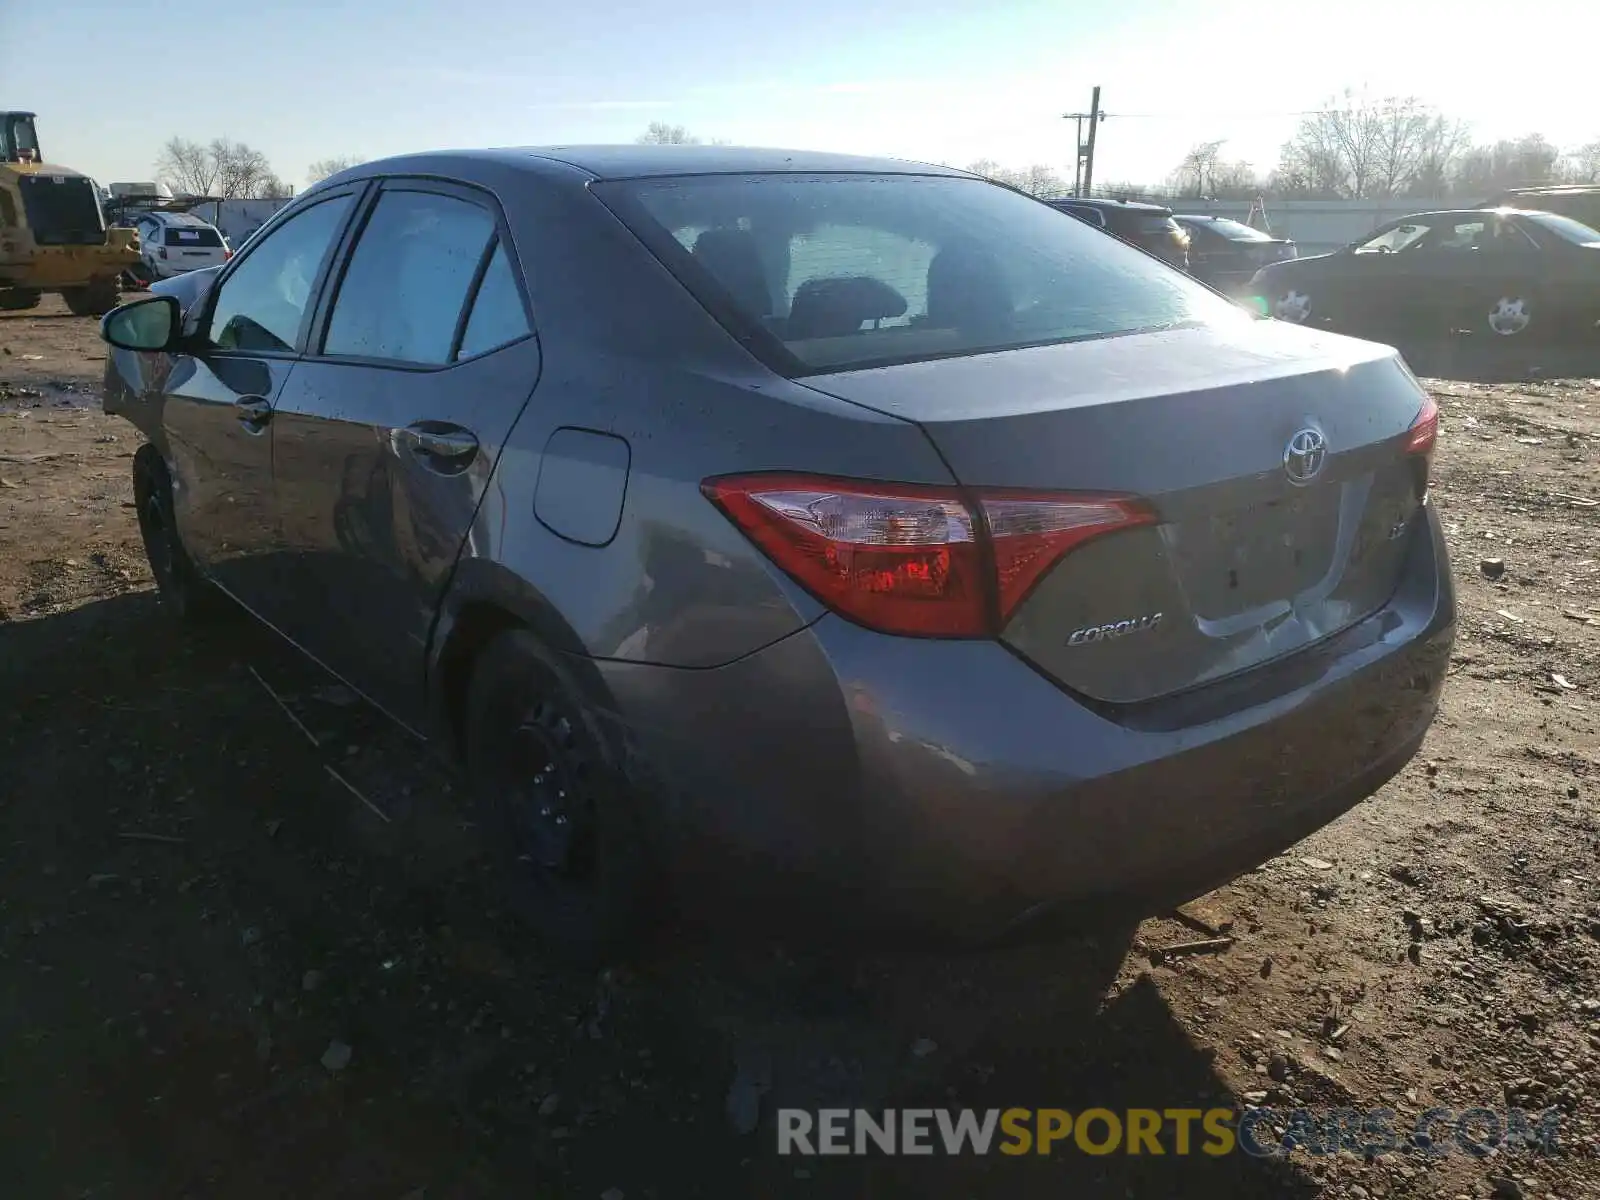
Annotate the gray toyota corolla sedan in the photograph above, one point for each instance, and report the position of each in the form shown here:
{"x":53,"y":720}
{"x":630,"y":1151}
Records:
{"x":801,"y":527}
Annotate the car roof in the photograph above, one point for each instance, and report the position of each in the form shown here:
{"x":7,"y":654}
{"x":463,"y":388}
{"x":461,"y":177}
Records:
{"x":1113,"y":205}
{"x":635,"y":162}
{"x":175,"y":218}
{"x":1554,"y":189}
{"x":1508,"y":210}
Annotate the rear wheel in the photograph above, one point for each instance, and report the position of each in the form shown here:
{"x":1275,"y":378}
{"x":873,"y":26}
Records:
{"x":18,"y":299}
{"x":183,"y":592}
{"x":95,"y":300}
{"x":1510,"y":316}
{"x":558,"y":814}
{"x":1293,"y":306}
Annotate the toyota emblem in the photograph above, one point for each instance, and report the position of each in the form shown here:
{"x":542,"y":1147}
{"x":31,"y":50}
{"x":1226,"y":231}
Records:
{"x":1304,"y":455}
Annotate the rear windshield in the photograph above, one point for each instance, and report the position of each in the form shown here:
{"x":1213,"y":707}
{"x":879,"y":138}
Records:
{"x":195,"y":237}
{"x":1234,"y":231}
{"x":1566,"y":228}
{"x":835,"y":272}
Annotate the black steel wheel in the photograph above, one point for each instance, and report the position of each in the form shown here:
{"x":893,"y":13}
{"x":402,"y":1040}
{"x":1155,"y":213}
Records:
{"x":560,"y":818}
{"x":183,"y":592}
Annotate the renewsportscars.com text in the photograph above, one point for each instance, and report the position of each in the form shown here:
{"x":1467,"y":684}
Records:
{"x":1214,"y":1132}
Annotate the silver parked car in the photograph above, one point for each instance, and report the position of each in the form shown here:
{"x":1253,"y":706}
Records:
{"x":796,"y":526}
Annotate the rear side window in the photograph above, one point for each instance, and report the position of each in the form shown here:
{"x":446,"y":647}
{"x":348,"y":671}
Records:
{"x":193,"y":237}
{"x":408,"y":279}
{"x":1091,"y":215}
{"x":842,"y":271}
{"x":1565,"y":228}
{"x":1234,"y":231}
{"x":497,"y":316}
{"x":1152,"y":224}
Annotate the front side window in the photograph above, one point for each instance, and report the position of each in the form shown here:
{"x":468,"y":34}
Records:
{"x":1459,"y":235}
{"x":838,"y":272}
{"x":408,"y":278}
{"x":262,"y":303}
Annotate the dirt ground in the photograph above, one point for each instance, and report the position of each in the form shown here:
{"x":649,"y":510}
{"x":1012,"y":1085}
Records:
{"x":224,"y":973}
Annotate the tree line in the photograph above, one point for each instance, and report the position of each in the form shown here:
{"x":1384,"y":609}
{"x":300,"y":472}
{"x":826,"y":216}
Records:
{"x":1354,"y":148}
{"x":231,"y":170}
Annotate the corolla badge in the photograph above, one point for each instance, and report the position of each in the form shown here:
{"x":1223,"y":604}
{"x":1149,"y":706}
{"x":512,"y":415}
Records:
{"x":1304,"y":456}
{"x":1090,"y":634}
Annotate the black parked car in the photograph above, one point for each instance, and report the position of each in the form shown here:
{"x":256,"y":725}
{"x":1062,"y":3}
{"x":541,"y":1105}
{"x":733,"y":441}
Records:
{"x":1503,"y":272}
{"x":1147,"y":226}
{"x":1580,"y":201}
{"x":1226,"y":253}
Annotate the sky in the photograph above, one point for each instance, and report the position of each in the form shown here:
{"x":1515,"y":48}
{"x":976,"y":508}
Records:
{"x":948,"y":81}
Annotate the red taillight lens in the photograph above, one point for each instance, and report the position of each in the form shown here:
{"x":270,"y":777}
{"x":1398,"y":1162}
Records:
{"x":1030,"y":532}
{"x":909,"y":559}
{"x":1420,"y":441}
{"x":1424,"y":431}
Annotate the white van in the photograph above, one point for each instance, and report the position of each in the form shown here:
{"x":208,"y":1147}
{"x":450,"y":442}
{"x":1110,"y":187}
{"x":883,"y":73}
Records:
{"x":172,"y":243}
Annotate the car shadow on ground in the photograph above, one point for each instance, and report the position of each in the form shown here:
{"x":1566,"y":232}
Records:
{"x":1483,"y":360}
{"x":236,"y":963}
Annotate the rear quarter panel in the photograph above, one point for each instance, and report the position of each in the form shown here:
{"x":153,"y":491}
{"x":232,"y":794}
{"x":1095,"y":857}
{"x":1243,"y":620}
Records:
{"x":630,"y":354}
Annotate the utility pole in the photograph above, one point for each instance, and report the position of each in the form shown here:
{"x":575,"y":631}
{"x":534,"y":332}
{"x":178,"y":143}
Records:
{"x":1083,"y":171}
{"x":1095,"y":117}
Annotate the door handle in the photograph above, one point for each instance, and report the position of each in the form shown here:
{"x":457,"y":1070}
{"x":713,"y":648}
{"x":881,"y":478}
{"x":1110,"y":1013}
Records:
{"x":440,"y":446}
{"x":253,"y":412}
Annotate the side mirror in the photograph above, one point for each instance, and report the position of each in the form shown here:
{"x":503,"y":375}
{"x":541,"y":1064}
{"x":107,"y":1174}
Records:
{"x":149,"y":325}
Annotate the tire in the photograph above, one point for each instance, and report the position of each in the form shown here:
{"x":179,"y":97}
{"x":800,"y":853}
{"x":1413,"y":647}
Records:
{"x":19,"y":299}
{"x":561,"y":822}
{"x":96,"y":300}
{"x":182,"y":591}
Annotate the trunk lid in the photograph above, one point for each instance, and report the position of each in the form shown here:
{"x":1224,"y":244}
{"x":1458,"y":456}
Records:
{"x":1261,"y":546}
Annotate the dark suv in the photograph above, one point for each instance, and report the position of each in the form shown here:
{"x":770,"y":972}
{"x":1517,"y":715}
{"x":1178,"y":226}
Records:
{"x":1148,"y":226}
{"x":1580,"y":201}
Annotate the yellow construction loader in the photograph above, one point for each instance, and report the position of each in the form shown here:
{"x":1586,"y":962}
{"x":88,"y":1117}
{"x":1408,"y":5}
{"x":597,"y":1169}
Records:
{"x":53,"y":235}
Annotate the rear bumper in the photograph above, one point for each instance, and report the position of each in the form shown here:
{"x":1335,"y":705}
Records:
{"x":945,"y":789}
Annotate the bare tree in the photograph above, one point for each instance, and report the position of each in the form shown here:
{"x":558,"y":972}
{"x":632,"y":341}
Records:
{"x":1036,"y":179}
{"x":220,"y":168}
{"x":1583,"y":164}
{"x":187,"y":167}
{"x":1205,"y":173}
{"x":1359,"y":149}
{"x":1512,"y":162}
{"x":660,"y":133}
{"x":1197,"y":173}
{"x":324,"y":167}
{"x":241,"y":169}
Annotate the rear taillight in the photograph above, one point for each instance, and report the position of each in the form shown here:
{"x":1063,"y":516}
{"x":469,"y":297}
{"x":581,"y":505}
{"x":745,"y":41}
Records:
{"x":910,"y":559}
{"x":1420,"y":441}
